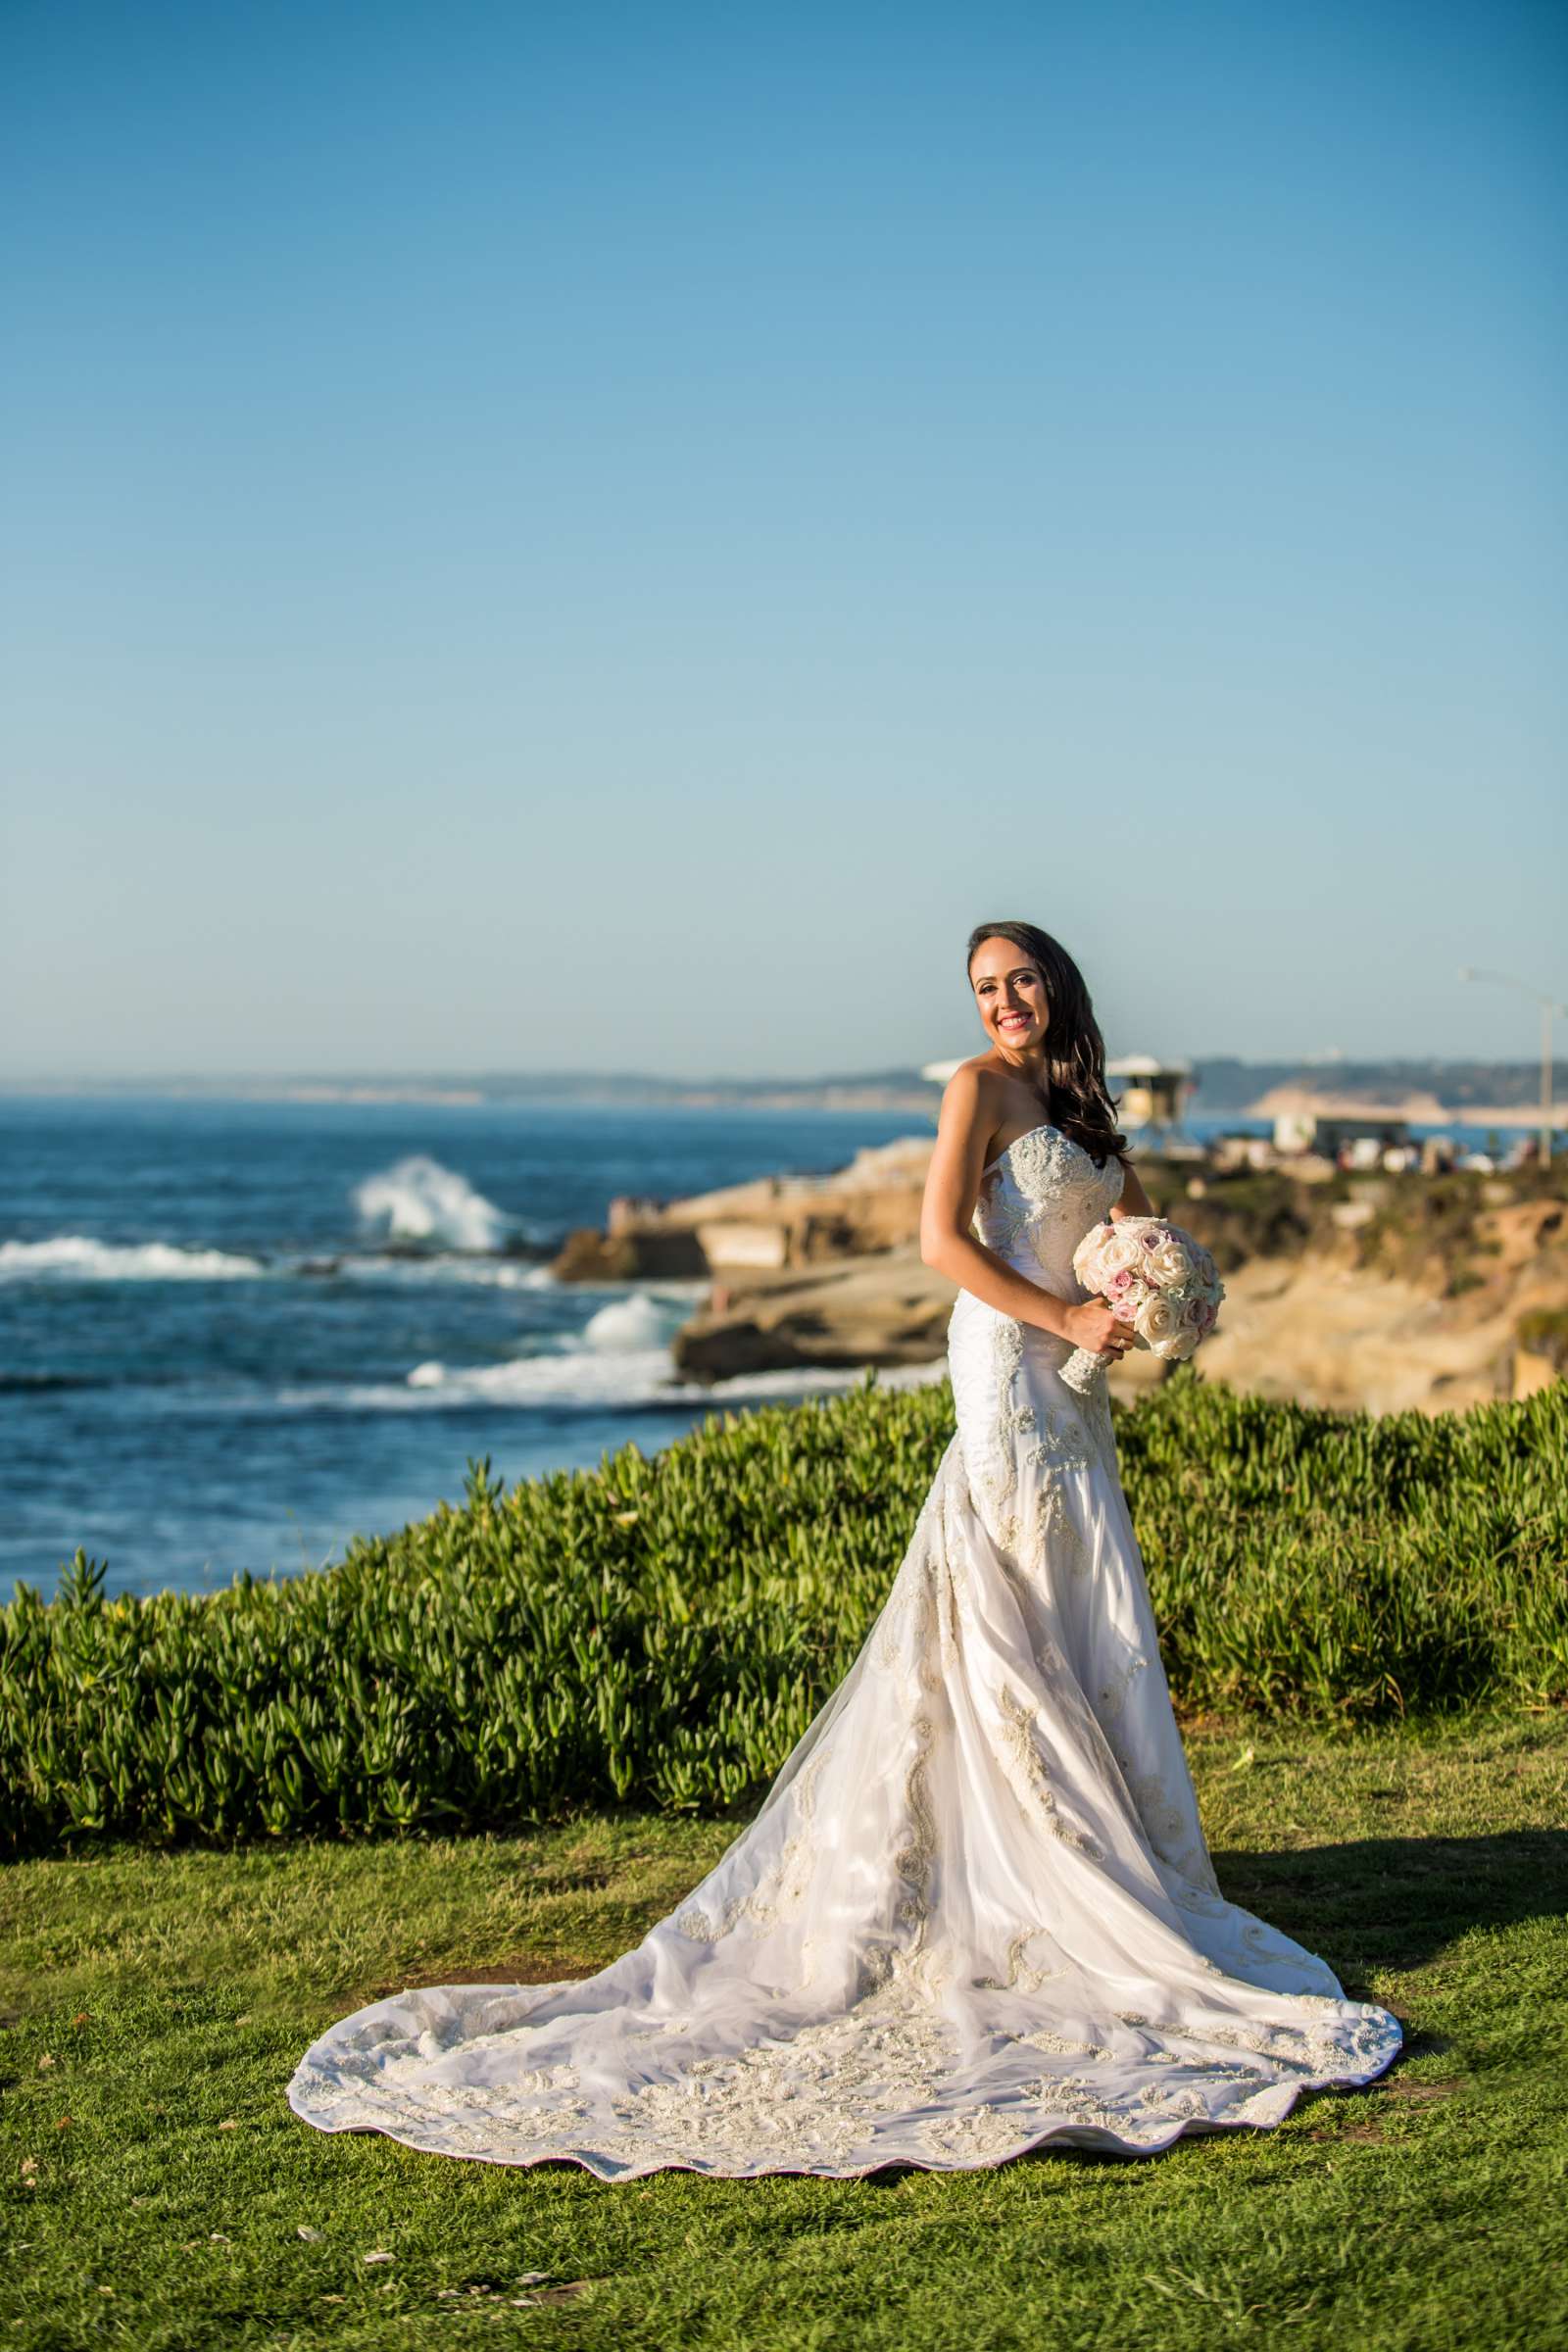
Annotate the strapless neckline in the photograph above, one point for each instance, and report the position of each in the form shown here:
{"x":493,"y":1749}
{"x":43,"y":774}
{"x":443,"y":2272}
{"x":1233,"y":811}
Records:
{"x":1046,"y":1127}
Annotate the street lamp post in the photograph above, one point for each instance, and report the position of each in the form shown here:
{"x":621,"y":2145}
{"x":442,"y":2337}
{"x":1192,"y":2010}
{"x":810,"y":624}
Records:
{"x":1549,"y":1006}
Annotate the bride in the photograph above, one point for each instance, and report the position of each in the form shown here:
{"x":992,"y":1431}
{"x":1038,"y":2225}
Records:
{"x":975,"y":1912}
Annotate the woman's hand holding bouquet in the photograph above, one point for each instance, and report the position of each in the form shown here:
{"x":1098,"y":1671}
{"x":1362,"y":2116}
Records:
{"x":1156,"y":1283}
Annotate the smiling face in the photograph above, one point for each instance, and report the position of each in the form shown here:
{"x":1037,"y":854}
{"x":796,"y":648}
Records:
{"x":1010,"y":994}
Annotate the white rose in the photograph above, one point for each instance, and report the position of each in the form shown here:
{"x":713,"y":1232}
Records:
{"x":1093,"y":1242}
{"x":1139,"y":1238}
{"x":1157,"y":1324}
{"x":1089,"y":1260}
{"x":1169,"y":1266}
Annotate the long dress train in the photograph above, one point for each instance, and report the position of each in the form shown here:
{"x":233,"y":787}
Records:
{"x":975,"y":1912}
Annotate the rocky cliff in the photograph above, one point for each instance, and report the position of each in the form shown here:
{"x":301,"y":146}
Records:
{"x":1384,"y":1292}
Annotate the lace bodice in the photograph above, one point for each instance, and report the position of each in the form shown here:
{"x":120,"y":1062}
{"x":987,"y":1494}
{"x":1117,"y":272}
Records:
{"x":1037,"y":1201}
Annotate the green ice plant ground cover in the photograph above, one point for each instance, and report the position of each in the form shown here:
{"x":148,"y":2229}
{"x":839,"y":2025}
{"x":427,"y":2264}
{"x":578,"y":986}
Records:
{"x":156,"y":2191}
{"x":659,"y":1632}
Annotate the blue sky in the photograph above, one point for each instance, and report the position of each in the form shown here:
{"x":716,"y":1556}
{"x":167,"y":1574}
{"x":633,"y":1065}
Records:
{"x":560,"y":539}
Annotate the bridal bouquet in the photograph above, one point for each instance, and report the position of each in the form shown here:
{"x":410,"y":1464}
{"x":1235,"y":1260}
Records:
{"x":1151,"y":1275}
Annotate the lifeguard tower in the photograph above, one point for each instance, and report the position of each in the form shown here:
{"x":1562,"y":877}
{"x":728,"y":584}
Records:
{"x":1153,"y":1098}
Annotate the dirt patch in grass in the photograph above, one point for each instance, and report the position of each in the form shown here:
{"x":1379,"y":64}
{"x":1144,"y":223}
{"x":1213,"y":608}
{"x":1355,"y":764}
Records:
{"x":522,"y":1968}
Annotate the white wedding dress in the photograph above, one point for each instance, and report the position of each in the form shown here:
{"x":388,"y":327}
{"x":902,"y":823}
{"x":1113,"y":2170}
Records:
{"x":975,"y":1912}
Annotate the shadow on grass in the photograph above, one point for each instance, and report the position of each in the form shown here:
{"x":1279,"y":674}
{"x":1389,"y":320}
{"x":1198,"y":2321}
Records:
{"x":1397,"y":1902}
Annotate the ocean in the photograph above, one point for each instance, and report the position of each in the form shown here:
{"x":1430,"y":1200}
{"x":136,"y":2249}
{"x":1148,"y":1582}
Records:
{"x":233,"y":1333}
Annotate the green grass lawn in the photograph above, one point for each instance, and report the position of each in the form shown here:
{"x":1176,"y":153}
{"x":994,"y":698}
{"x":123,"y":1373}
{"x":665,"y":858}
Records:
{"x":156,"y":2184}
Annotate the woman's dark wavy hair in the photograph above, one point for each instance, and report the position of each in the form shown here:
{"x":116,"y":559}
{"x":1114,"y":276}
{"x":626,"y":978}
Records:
{"x":1075,"y":1051}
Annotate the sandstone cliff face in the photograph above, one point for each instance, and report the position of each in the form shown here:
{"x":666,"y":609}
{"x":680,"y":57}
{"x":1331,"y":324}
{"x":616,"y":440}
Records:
{"x":1326,"y":1329}
{"x":886,"y":1310}
{"x":771,"y":1224}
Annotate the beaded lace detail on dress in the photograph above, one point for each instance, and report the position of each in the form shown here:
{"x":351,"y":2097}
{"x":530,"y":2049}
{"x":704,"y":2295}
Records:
{"x":975,"y":1912}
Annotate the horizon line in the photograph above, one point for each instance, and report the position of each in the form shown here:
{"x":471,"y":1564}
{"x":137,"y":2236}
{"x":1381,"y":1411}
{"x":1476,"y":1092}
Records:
{"x":903,"y":1073}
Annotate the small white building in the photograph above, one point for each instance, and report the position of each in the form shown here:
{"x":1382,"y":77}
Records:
{"x":1352,"y":1138}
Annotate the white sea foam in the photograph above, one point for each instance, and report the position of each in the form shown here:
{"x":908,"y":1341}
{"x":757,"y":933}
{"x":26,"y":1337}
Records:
{"x":77,"y":1257}
{"x":627,"y":1326}
{"x":419,"y":1200}
{"x":620,"y":1379}
{"x":437,"y":1266}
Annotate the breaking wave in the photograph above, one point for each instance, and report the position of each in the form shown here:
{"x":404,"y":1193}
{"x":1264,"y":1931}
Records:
{"x":624,"y":1380}
{"x":77,"y":1257}
{"x":627,"y":1326}
{"x":418,"y":1199}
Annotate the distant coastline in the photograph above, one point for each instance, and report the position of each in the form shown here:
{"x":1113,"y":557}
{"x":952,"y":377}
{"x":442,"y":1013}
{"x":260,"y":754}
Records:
{"x":1470,"y":1094}
{"x":1422,"y":1110}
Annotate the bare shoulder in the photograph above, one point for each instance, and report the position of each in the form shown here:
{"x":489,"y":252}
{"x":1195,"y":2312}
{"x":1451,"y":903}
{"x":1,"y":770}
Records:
{"x":971,"y":1102}
{"x":973,"y":1085}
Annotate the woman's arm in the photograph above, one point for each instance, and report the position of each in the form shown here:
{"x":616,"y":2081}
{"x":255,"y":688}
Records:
{"x":1134,"y":1202}
{"x":964,"y":1132}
